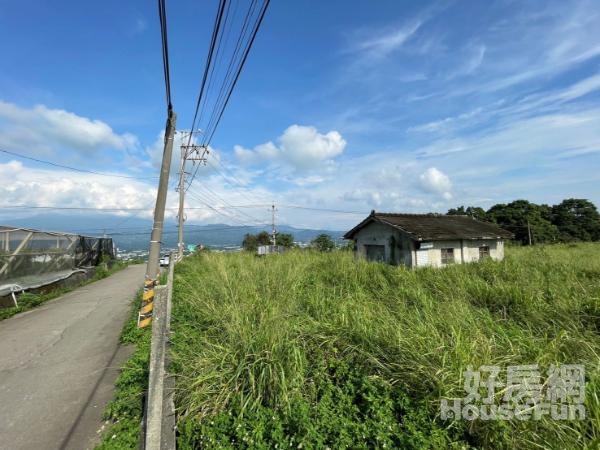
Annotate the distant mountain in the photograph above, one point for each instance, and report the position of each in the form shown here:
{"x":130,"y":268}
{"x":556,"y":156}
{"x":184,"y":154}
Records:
{"x":214,"y":235}
{"x":132,"y":233}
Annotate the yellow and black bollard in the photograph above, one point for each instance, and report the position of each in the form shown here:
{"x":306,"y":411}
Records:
{"x":145,"y":314}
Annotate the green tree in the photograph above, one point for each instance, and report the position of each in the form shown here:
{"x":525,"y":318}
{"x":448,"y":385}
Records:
{"x":577,"y":220}
{"x":284,"y":239}
{"x":323,"y":243}
{"x":252,"y":241}
{"x":263,"y":238}
{"x":474,"y":211}
{"x":518,"y":215}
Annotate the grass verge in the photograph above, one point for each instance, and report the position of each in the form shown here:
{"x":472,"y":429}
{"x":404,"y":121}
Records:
{"x":310,"y":350}
{"x":28,"y":300}
{"x":124,"y":413}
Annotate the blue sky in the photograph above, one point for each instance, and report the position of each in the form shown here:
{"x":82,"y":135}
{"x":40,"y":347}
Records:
{"x":394,"y":106}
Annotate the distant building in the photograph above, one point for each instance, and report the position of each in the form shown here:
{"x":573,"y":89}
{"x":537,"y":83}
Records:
{"x":418,"y":240}
{"x":264,"y":250}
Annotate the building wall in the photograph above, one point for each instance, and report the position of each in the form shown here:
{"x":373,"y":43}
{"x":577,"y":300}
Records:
{"x":398,"y":248}
{"x":464,"y":251}
{"x":471,"y":249}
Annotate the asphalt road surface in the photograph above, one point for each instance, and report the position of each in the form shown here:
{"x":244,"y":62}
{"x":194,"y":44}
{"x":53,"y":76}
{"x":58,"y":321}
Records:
{"x":58,"y":364}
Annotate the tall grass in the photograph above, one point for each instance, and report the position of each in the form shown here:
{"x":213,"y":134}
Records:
{"x":320,"y":350}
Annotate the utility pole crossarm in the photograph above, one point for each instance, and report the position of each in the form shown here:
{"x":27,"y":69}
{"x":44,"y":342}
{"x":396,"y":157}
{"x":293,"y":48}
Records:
{"x":189,"y":152}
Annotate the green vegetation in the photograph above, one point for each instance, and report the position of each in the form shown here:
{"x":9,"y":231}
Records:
{"x":126,"y":409}
{"x":28,"y":300}
{"x":316,"y":350}
{"x":571,"y":220}
{"x":323,"y":243}
{"x":252,"y":241}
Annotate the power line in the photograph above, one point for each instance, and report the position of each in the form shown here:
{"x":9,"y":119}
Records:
{"x":240,"y":213}
{"x":218,"y":53}
{"x":338,"y":211}
{"x":230,"y":217}
{"x":162,"y":14}
{"x":208,"y":64}
{"x":82,"y":208}
{"x":213,"y":194}
{"x":238,"y":182}
{"x":75,"y":169}
{"x":234,"y":58}
{"x":239,"y":71}
{"x":221,"y":104}
{"x":202,"y":230}
{"x":207,"y":67}
{"x":228,"y":204}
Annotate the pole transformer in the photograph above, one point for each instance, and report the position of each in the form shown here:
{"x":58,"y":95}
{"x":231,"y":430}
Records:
{"x":189,"y":152}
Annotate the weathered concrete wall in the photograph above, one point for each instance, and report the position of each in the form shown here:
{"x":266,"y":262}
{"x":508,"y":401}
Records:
{"x":464,"y":250}
{"x":398,"y":247}
{"x":434,"y":254}
{"x":471,"y":249}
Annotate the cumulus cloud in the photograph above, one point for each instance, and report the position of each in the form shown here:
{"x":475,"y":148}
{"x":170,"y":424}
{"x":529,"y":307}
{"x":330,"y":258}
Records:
{"x":436,"y":181}
{"x":41,"y":187}
{"x":301,"y":147}
{"x":42,"y":129}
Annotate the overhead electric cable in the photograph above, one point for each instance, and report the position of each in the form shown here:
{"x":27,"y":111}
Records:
{"x":162,"y":14}
{"x":219,"y":198}
{"x":208,"y":64}
{"x":238,"y":182}
{"x":234,"y":59}
{"x":75,"y":169}
{"x":238,"y":72}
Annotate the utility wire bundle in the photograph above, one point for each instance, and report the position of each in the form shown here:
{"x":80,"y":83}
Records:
{"x":224,"y":64}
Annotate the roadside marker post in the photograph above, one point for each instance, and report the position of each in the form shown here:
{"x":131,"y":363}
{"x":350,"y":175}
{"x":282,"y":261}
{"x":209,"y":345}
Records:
{"x":145,"y":314}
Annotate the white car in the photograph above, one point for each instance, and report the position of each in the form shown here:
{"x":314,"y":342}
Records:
{"x":164,"y":261}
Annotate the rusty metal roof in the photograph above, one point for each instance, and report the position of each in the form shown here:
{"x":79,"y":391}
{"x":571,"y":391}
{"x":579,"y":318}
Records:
{"x":435,"y":227}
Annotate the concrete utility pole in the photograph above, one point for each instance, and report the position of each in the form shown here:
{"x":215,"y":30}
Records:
{"x":274,"y":236}
{"x":529,"y":231}
{"x":189,"y":152}
{"x":152,"y":268}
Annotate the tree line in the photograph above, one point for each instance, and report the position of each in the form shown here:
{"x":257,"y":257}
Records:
{"x":323,"y":242}
{"x":571,"y":220}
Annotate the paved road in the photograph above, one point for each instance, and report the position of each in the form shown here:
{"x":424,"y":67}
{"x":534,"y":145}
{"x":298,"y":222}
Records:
{"x":58,"y":364}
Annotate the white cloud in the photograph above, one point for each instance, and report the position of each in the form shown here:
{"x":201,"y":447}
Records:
{"x":544,"y":135}
{"x":42,"y":187}
{"x":42,"y":130}
{"x":364,"y":196}
{"x":448,"y":122}
{"x":434,"y":180}
{"x":474,"y":60}
{"x":383,"y":44}
{"x":305,"y":146}
{"x":301,"y":147}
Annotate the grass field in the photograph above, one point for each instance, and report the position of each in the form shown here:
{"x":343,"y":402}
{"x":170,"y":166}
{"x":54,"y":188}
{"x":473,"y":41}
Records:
{"x":309,"y":350}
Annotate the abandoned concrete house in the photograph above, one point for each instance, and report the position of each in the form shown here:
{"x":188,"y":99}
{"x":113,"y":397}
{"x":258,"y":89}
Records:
{"x":427,"y":239}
